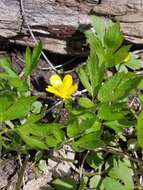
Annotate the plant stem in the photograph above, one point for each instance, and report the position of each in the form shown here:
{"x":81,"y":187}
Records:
{"x":21,"y":174}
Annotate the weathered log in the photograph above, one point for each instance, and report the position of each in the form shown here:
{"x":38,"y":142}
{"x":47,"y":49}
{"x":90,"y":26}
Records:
{"x":58,"y":23}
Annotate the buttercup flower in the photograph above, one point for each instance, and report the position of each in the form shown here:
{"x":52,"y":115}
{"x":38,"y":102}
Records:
{"x":128,"y":58}
{"x":63,"y":89}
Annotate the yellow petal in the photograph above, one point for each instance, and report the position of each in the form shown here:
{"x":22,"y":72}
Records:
{"x":65,"y":96}
{"x":55,"y":80}
{"x":128,"y":58}
{"x":67,"y":81}
{"x":72,"y":89}
{"x":53,"y":90}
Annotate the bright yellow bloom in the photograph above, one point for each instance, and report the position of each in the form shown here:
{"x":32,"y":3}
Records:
{"x":128,"y":58}
{"x":63,"y":89}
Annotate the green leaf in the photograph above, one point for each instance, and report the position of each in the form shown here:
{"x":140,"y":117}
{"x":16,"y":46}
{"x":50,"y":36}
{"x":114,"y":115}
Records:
{"x":74,"y":129}
{"x":7,"y":66}
{"x":65,"y":183}
{"x":140,"y":85}
{"x":59,"y":135}
{"x":123,"y":173}
{"x":83,"y":183}
{"x":95,"y":183}
{"x":1,"y":142}
{"x":6,"y":100}
{"x":19,"y":84}
{"x":36,"y":55}
{"x":95,"y":44}
{"x":56,"y":139}
{"x":80,"y":124}
{"x":34,"y":118}
{"x":40,"y":130}
{"x":111,"y":112}
{"x":20,"y":108}
{"x":34,"y":142}
{"x":96,"y":126}
{"x":99,"y":25}
{"x":38,"y":156}
{"x":42,"y":165}
{"x":120,"y":85}
{"x":28,"y":62}
{"x":121,"y":68}
{"x":118,"y":126}
{"x":4,"y":76}
{"x":113,"y":37}
{"x":41,"y":134}
{"x":94,"y":68}
{"x":139,"y":128}
{"x":36,"y":107}
{"x":90,"y":141}
{"x":87,"y":74}
{"x":135,"y":64}
{"x":112,"y":184}
{"x":141,"y":99}
{"x":85,"y":80}
{"x":118,"y":57}
{"x":31,"y":59}
{"x":95,"y":160}
{"x":51,"y":141}
{"x":86,"y":103}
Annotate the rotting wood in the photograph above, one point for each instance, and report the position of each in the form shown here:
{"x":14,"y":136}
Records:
{"x":59,"y":23}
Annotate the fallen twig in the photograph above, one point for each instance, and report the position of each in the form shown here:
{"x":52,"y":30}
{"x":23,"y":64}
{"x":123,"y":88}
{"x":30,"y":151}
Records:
{"x":33,"y":37}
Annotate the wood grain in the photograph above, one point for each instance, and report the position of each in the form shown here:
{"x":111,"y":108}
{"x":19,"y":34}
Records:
{"x":59,"y":23}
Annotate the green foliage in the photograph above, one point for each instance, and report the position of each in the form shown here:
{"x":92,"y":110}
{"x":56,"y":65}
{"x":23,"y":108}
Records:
{"x":87,"y":74}
{"x":97,"y":122}
{"x":78,"y":125}
{"x":41,"y":136}
{"x":111,"y":184}
{"x":118,"y":57}
{"x":120,"y":175}
{"x":120,"y":85}
{"x":139,"y":128}
{"x":34,"y":118}
{"x":95,"y":183}
{"x":95,"y":44}
{"x":111,"y":112}
{"x":19,"y":109}
{"x":19,"y":84}
{"x":113,"y":37}
{"x":65,"y":183}
{"x":134,"y":64}
{"x":16,"y":103}
{"x":85,"y":80}
{"x":107,"y":102}
{"x":122,"y":172}
{"x":32,"y":58}
{"x":86,"y":102}
{"x":89,"y":141}
{"x":36,"y":107}
{"x":6,"y":65}
{"x":95,"y":160}
{"x":99,"y":26}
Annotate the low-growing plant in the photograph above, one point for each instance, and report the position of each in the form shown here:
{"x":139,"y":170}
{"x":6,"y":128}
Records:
{"x":99,"y":122}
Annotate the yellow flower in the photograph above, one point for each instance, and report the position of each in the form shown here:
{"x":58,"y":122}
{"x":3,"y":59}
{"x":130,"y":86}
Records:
{"x":128,"y":58}
{"x":63,"y":89}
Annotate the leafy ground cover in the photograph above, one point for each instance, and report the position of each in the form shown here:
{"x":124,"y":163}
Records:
{"x":77,"y":130}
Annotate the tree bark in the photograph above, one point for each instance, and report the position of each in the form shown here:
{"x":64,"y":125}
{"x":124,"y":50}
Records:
{"x":60,"y":23}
